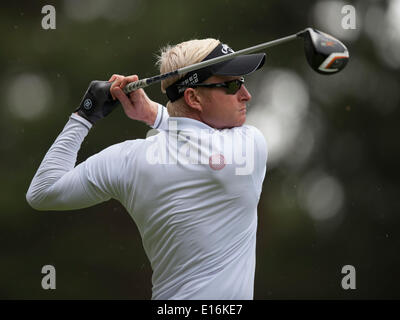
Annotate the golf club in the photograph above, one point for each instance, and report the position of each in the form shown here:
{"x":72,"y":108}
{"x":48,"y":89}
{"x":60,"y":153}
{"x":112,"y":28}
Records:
{"x":324,"y":53}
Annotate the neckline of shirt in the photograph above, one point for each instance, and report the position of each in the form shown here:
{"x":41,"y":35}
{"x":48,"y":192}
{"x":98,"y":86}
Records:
{"x":189,"y":123}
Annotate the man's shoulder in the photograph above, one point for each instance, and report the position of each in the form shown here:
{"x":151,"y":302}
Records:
{"x":119,"y":149}
{"x":249,"y":131}
{"x":129,"y":147}
{"x":252,"y":128}
{"x":257,"y":136}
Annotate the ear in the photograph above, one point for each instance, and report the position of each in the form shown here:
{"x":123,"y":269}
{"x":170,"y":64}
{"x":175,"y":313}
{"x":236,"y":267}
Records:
{"x":193,"y":99}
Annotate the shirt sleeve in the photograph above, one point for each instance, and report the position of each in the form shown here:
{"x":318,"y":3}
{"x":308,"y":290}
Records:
{"x":59,"y":185}
{"x":161,"y":122}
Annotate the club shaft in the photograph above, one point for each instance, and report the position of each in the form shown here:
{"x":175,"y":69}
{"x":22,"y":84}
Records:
{"x":148,"y":81}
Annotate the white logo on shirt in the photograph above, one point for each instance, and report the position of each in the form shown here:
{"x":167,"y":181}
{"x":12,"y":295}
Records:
{"x":216,"y":149}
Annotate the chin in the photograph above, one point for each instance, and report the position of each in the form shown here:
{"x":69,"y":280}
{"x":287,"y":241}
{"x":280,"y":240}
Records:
{"x":242,"y":120}
{"x":238,"y":123}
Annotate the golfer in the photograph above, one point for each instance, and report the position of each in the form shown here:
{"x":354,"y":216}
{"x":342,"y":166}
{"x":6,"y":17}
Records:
{"x":192,"y":189}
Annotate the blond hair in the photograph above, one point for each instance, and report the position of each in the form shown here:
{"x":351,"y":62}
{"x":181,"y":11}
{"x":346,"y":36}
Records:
{"x":179,"y":56}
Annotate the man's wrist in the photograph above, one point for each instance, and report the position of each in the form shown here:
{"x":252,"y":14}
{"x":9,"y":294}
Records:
{"x":82,"y":115}
{"x":76,"y":116}
{"x":152,"y":115}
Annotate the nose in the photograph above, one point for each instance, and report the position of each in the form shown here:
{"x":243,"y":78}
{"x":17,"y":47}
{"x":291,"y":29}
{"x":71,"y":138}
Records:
{"x":244,"y":94}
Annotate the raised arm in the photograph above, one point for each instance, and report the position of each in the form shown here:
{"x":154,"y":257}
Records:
{"x":58,"y":184}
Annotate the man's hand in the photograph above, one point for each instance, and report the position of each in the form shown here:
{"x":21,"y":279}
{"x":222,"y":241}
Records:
{"x":97,"y":102}
{"x":137,"y":105}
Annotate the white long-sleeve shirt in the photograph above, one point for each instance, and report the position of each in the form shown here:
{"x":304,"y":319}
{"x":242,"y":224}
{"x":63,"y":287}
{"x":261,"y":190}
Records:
{"x":192,"y":191}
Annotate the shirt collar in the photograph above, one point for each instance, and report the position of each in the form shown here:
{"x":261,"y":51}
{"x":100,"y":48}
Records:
{"x":183,"y":123}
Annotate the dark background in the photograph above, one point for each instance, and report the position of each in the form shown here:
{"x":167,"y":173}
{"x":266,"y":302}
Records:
{"x":331,"y":194}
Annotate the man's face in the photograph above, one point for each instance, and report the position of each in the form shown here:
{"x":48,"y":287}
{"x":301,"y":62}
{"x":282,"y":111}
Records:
{"x":221,"y":110}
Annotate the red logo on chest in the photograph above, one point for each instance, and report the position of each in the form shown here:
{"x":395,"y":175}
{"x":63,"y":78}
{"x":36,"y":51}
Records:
{"x":216,"y":162}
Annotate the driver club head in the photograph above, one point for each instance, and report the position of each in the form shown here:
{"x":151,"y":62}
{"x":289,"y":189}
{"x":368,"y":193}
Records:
{"x":324,"y":53}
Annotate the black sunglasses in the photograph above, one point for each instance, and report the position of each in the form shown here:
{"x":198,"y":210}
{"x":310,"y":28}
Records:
{"x":231,"y":87}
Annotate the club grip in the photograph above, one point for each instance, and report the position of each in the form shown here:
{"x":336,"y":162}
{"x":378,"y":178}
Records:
{"x":135,"y":85}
